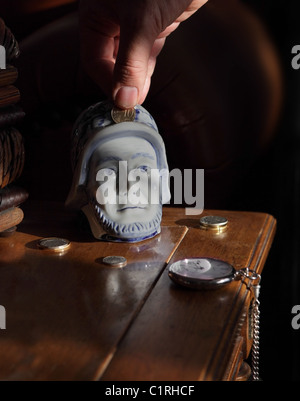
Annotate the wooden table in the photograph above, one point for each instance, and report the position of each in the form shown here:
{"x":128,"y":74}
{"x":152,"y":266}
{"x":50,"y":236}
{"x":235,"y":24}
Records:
{"x":70,"y":317}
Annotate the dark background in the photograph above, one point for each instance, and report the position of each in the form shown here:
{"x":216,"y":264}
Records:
{"x":272,"y":185}
{"x":277,"y":179}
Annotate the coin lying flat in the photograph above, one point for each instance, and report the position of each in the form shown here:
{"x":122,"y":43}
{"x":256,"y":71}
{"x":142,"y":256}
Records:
{"x":213,"y":222}
{"x":115,"y":261}
{"x":119,"y":115}
{"x":54,"y":244}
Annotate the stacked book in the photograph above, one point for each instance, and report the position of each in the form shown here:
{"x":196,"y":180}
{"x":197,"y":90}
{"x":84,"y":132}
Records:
{"x":12,"y":151}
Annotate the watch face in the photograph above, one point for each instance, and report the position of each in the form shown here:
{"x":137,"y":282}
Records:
{"x":201,"y":273}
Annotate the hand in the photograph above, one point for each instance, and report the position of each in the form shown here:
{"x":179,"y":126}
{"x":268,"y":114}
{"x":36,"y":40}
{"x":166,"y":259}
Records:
{"x":121,"y":39}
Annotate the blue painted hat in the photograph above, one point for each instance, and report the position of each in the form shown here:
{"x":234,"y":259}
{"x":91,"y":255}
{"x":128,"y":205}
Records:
{"x":94,"y":127}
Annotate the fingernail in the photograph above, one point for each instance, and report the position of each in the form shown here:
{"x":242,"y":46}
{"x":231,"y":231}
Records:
{"x":126,"y":97}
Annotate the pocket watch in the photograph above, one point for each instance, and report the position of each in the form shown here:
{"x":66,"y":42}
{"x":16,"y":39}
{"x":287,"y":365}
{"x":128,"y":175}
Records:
{"x":201,"y":273}
{"x":205,"y":273}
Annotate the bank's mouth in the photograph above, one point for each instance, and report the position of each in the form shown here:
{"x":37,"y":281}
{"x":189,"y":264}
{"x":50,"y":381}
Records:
{"x":130,"y":207}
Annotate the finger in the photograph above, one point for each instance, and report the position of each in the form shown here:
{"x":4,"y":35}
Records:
{"x":169,"y":29}
{"x":156,"y":49}
{"x":116,"y":49}
{"x":132,"y":63}
{"x":191,"y":9}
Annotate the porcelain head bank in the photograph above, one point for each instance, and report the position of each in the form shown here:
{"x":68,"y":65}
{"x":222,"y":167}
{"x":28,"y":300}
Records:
{"x":120,"y":174}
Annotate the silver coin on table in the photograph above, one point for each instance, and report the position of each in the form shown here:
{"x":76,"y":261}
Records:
{"x":120,"y":115}
{"x":54,"y":244}
{"x":115,"y":261}
{"x":213,"y":222}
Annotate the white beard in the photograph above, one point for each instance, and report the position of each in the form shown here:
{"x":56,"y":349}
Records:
{"x":129,"y":232}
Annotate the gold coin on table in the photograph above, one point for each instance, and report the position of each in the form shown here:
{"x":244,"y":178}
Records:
{"x":115,"y":261}
{"x":119,"y":115}
{"x":54,"y":244}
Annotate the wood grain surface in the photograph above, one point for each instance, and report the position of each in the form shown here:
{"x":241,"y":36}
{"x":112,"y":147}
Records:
{"x":69,"y":317}
{"x":67,"y":313}
{"x":183,"y":334}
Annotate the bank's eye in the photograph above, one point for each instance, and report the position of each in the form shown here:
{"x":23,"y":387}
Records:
{"x":144,"y":169}
{"x":106,"y":173}
{"x":109,"y":171}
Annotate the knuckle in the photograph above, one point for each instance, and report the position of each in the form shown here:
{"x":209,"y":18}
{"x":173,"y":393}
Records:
{"x":130,"y":69}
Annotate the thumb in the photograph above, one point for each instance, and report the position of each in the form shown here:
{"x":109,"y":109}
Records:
{"x":131,"y":68}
